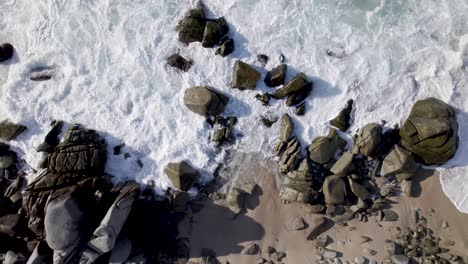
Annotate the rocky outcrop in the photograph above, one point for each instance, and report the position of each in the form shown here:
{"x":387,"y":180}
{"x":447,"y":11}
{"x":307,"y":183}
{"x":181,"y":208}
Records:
{"x":182,"y":175}
{"x":244,"y":76}
{"x":322,"y":150}
{"x":6,"y":51}
{"x":205,"y":101}
{"x":368,"y":139}
{"x":400,"y":163}
{"x":297,"y":187}
{"x":299,"y":82}
{"x":276,"y":76}
{"x":179,"y":62}
{"x":343,"y":120}
{"x":299,"y":96}
{"x":212,"y":34}
{"x":431,"y":131}
{"x":9,"y":131}
{"x":343,"y":165}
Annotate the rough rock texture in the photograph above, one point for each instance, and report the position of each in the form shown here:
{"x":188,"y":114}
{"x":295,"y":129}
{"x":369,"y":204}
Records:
{"x":299,"y":96}
{"x":192,"y":26}
{"x":359,"y":190}
{"x":343,"y":165}
{"x":179,"y":62}
{"x":226,"y":48}
{"x":205,"y":100}
{"x":182,"y":175}
{"x":295,"y":85}
{"x":6,"y":51}
{"x":318,"y":226}
{"x":290,"y":156}
{"x":321,"y":150}
{"x":212,"y":34}
{"x":431,"y":131}
{"x":286,"y":128}
{"x":343,"y":120}
{"x":399,"y":162}
{"x":9,"y":131}
{"x":42,"y":74}
{"x":276,"y":76}
{"x":297,"y":187}
{"x":368,"y":139}
{"x":334,"y":189}
{"x":244,"y":76}
{"x":52,"y":138}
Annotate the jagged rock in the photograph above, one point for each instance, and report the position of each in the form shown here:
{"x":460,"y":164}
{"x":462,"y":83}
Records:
{"x":244,"y":76}
{"x":399,"y":162}
{"x":360,"y":260}
{"x":212,"y":34}
{"x":192,"y":26}
{"x":334,"y":189}
{"x":389,"y":215}
{"x":300,"y":109}
{"x":251,"y":249}
{"x":105,"y":235}
{"x":182,"y":175}
{"x":336,"y":139}
{"x":276,"y":76}
{"x":299,"y":96}
{"x":343,"y":120}
{"x":226,"y":48}
{"x":9,"y":131}
{"x":179,"y":62}
{"x":318,"y":226}
{"x":431,"y":131}
{"x":41,"y":254}
{"x":51,"y":139}
{"x":407,"y":188}
{"x":10,"y":224}
{"x":343,"y":165}
{"x":263,"y":59}
{"x":6,"y":51}
{"x":205,"y":101}
{"x":296,"y":223}
{"x":290,"y":156}
{"x":359,"y":190}
{"x":295,"y":85}
{"x":400,"y":259}
{"x":78,"y":159}
{"x":368,"y":139}
{"x":286,"y":128}
{"x":321,"y":150}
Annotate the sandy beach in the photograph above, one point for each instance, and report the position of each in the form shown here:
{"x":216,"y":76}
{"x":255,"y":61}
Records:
{"x":216,"y":227}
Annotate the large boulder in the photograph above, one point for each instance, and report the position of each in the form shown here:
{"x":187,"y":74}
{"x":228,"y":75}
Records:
{"x":182,"y":175}
{"x":276,"y":76}
{"x":399,"y":162}
{"x":205,"y":101}
{"x":51,"y":140}
{"x":212,"y":34}
{"x":9,"y":131}
{"x":368,"y":139}
{"x":321,"y":150}
{"x":359,"y":190}
{"x":431,"y":131}
{"x":244,"y":76}
{"x":295,"y":85}
{"x":192,"y":26}
{"x":6,"y":51}
{"x":334,"y":189}
{"x":343,"y":120}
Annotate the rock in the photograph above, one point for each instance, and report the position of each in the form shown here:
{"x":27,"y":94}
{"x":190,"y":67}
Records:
{"x":9,"y":131}
{"x":6,"y":51}
{"x":286,"y":128}
{"x":205,"y":101}
{"x":244,"y":76}
{"x":336,"y":139}
{"x":299,"y":96}
{"x":10,"y":224}
{"x":391,"y":248}
{"x":290,"y":156}
{"x":329,"y":254}
{"x":343,"y":120}
{"x":7,"y":159}
{"x":368,"y":139}
{"x":389,"y":139}
{"x":400,"y":259}
{"x":295,"y":85}
{"x":431,"y":131}
{"x":212,"y":34}
{"x":389,"y":215}
{"x":182,"y":175}
{"x":300,"y":109}
{"x":179,"y":62}
{"x":223,"y":25}
{"x":251,"y":249}
{"x":226,"y":48}
{"x":121,"y":251}
{"x":236,"y":200}
{"x":263,"y":59}
{"x":51,"y":139}
{"x":359,"y":190}
{"x":276,"y":76}
{"x":407,"y":188}
{"x":321,"y":150}
{"x":444,"y":224}
{"x":316,"y":208}
{"x":334,"y":190}
{"x":42,"y":74}
{"x":343,"y":165}
{"x":269,"y":250}
{"x":192,"y":27}
{"x":295,"y":224}
{"x":360,"y":260}
{"x":264,"y":98}
{"x":399,"y":162}
{"x":322,"y":241}
{"x":318,"y":226}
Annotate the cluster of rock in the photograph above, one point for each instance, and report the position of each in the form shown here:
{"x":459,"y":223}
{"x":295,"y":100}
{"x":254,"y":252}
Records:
{"x":267,"y":255}
{"x":195,"y":27}
{"x":356,"y":182}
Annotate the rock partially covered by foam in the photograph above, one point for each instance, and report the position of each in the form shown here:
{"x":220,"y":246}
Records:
{"x":431,"y":131}
{"x":192,"y":26}
{"x":204,"y":100}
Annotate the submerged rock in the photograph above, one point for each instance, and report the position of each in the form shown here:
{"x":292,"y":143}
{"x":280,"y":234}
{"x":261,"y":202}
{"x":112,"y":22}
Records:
{"x":263,"y":59}
{"x":295,"y":85}
{"x":244,"y":76}
{"x":182,"y":175}
{"x":431,"y":131}
{"x":226,"y":48}
{"x":205,"y":100}
{"x":321,"y":150}
{"x":179,"y":62}
{"x":6,"y":51}
{"x":192,"y":26}
{"x":276,"y":76}
{"x":9,"y":131}
{"x":343,"y":120}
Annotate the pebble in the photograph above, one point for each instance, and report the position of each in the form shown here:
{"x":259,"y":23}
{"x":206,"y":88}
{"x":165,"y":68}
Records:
{"x":360,"y":260}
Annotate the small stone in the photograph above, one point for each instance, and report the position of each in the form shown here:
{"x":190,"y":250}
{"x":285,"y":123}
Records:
{"x":42,"y":74}
{"x":360,"y":260}
{"x":251,"y":249}
{"x":295,"y":85}
{"x":264,"y":98}
{"x":6,"y":51}
{"x":300,"y":109}
{"x":322,"y":241}
{"x":179,"y":62}
{"x":226,"y":48}
{"x":205,"y":100}
{"x":295,"y":224}
{"x":365,"y":239}
{"x":269,"y":250}
{"x":263,"y":59}
{"x":267,"y":122}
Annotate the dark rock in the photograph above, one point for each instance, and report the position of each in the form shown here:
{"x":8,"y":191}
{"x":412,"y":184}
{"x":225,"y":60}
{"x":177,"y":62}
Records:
{"x":334,"y":189}
{"x":295,"y":85}
{"x":263,"y":59}
{"x":226,"y":48}
{"x":6,"y":51}
{"x":431,"y":131}
{"x":300,"y":109}
{"x":223,"y":25}
{"x":51,"y":139}
{"x":205,"y":101}
{"x":264,"y":98}
{"x":299,"y":96}
{"x":244,"y":76}
{"x":9,"y":131}
{"x":389,"y":139}
{"x":42,"y":74}
{"x":192,"y":26}
{"x":281,"y":58}
{"x":368,"y":139}
{"x":179,"y":62}
{"x":80,"y":158}
{"x":10,"y":224}
{"x":286,"y":128}
{"x":321,"y":150}
{"x":399,"y":162}
{"x":276,"y":76}
{"x":359,"y":190}
{"x":268,"y":122}
{"x":343,"y":120}
{"x":212,"y":34}
{"x":182,"y":175}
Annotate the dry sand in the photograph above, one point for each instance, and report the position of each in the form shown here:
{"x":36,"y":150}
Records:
{"x":216,"y":228}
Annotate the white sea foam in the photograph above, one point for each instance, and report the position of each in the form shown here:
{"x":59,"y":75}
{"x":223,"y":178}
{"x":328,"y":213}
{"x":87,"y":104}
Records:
{"x":112,"y":75}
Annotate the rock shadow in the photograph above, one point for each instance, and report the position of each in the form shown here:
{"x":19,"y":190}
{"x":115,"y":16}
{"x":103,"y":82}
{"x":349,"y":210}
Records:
{"x":421,"y":175}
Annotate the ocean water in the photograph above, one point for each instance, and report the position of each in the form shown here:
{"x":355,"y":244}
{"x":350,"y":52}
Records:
{"x":112,"y":77}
